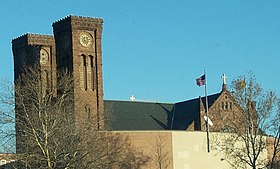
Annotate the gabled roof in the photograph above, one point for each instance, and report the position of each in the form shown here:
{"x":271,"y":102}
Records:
{"x":134,"y":115}
{"x":211,"y":99}
{"x":187,"y":112}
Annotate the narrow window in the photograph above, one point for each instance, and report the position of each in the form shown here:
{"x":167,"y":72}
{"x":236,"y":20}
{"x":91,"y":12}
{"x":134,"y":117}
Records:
{"x":92,"y":70}
{"x":87,"y":113}
{"x":95,"y":73}
{"x":85,"y":71}
{"x":223,"y":105}
{"x":81,"y":71}
{"x":226,"y":106}
{"x":47,"y":80}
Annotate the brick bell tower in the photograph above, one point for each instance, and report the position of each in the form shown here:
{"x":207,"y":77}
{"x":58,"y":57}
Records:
{"x":30,"y":50}
{"x":78,"y":49}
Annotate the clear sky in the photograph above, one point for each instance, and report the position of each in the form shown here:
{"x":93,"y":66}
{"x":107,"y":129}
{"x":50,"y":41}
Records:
{"x":155,"y":49}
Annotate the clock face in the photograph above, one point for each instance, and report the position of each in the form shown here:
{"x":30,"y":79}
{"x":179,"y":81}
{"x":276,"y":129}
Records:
{"x":44,"y":56}
{"x":85,"y":39}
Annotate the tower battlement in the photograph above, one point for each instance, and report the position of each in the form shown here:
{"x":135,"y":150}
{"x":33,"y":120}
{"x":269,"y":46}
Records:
{"x":77,"y":22}
{"x":33,"y":39}
{"x":74,"y":46}
{"x":79,"y":18}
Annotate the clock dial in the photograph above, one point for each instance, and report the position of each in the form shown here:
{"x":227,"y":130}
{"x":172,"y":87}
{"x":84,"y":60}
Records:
{"x":85,"y":39}
{"x":44,"y":56}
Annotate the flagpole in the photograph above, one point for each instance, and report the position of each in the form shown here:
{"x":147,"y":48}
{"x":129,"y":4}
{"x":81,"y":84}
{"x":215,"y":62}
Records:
{"x":207,"y":119}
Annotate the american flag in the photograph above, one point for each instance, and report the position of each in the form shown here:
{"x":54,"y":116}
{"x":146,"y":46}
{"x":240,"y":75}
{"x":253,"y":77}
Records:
{"x":201,"y":80}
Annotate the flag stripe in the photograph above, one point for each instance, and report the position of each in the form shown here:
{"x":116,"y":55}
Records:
{"x":201,"y":80}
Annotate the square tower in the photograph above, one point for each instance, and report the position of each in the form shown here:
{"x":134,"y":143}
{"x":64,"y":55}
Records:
{"x":78,"y":49}
{"x":32,"y":50}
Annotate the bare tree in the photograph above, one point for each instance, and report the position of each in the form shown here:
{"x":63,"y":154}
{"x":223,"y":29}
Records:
{"x":44,"y":123}
{"x":274,"y":139}
{"x":7,"y":118}
{"x":160,"y":154}
{"x":47,"y":135}
{"x":248,"y":142}
{"x":131,"y":158}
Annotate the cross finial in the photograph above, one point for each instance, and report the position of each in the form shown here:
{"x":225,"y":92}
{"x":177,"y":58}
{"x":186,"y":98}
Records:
{"x":132,"y":98}
{"x":224,"y":77}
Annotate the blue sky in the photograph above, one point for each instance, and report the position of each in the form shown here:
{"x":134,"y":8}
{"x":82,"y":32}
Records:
{"x":155,"y":49}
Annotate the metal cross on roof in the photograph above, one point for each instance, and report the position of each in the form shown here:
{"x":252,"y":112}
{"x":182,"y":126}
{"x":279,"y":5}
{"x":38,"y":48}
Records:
{"x":224,"y":77}
{"x":132,"y":98}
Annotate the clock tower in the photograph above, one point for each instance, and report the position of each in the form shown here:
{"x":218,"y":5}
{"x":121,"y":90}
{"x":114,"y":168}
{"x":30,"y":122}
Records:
{"x":32,"y":50}
{"x":78,"y":49}
{"x":36,"y":49}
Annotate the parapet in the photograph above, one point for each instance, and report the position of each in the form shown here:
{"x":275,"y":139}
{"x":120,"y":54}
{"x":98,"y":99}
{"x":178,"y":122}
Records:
{"x":77,"y":22}
{"x":33,"y":39}
{"x":79,"y":18}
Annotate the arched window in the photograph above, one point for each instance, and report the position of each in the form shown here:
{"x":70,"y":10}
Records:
{"x":83,"y":72}
{"x":92,"y":72}
{"x":227,"y":106}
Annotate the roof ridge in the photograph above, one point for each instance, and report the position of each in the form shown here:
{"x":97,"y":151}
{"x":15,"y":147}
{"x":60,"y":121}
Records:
{"x":140,"y":101}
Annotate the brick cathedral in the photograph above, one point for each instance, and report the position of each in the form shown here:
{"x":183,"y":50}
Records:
{"x":75,"y":46}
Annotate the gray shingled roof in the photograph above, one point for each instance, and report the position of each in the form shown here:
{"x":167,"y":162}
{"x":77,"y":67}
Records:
{"x":134,"y":115}
{"x":128,"y":115}
{"x":188,"y":111}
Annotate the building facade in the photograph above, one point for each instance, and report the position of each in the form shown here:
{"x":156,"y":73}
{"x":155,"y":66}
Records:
{"x":75,"y":46}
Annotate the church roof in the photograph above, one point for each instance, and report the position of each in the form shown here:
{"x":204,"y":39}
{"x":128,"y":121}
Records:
{"x":187,"y":112}
{"x":134,"y":115}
